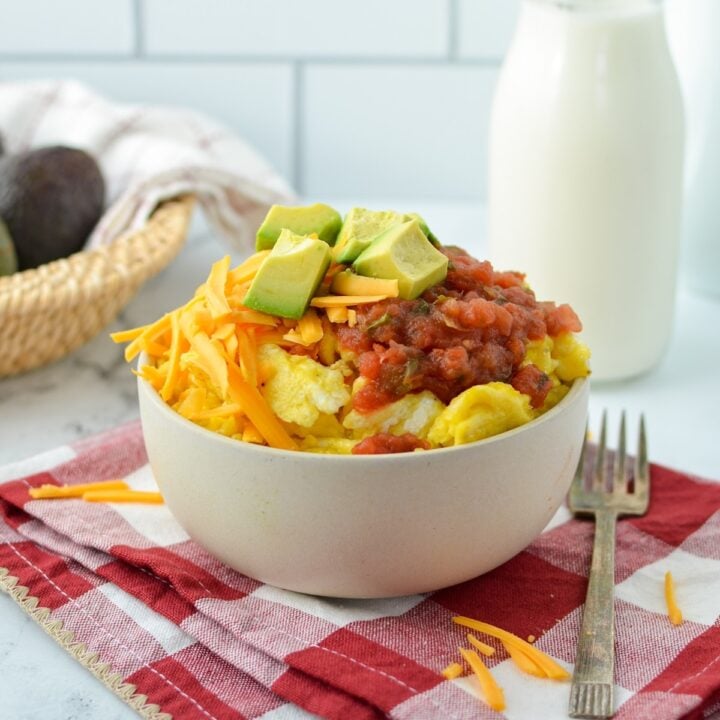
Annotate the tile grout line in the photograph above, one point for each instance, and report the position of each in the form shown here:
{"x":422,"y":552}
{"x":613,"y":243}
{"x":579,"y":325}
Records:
{"x":298,"y":130}
{"x":247,"y":60}
{"x":139,"y":25}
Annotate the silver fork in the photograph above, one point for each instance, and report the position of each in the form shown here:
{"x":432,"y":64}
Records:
{"x":591,"y":693}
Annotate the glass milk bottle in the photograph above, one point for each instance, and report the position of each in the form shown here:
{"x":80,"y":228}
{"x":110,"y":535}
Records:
{"x":585,"y":171}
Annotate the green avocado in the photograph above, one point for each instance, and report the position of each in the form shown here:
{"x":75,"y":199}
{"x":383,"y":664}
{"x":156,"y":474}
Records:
{"x":8,"y":258}
{"x":359,"y":229}
{"x":362,"y":226}
{"x":289,"y":275}
{"x":318,"y":219}
{"x":424,"y":227}
{"x":404,"y":253}
{"x":50,"y":199}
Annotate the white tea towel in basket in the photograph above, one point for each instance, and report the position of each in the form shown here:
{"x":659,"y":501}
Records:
{"x":147,"y":154}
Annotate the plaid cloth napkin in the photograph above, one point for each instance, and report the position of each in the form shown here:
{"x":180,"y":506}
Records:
{"x":176,"y":633}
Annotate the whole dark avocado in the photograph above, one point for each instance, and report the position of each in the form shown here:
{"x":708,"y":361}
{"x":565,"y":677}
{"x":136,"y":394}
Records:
{"x":50,"y":199}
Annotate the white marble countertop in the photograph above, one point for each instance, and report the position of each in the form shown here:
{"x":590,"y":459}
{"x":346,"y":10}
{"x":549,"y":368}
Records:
{"x":93,"y":390}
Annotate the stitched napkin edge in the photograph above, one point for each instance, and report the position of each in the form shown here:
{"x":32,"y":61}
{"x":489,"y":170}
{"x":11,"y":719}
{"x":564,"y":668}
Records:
{"x":91,"y":661}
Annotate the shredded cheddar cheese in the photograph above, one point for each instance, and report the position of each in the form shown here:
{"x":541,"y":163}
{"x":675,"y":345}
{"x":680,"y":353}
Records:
{"x":252,"y":317}
{"x":309,"y":330}
{"x":551,"y":668}
{"x":256,"y":407}
{"x":209,"y":358}
{"x":337,"y":314}
{"x":523,"y":661}
{"x":327,"y":347}
{"x":674,"y":612}
{"x":152,"y":375}
{"x":452,"y":671}
{"x":122,"y":336}
{"x":173,"y":368}
{"x":247,"y":354}
{"x":221,"y":411}
{"x":135,"y":496}
{"x":151,"y":332}
{"x":204,"y":355}
{"x":215,"y":288}
{"x":294,"y":336}
{"x":493,"y":693}
{"x":347,"y":283}
{"x":310,"y":327}
{"x":326,"y":301}
{"x":526,"y":657}
{"x":250,"y":434}
{"x":484,"y":648}
{"x":224,"y":332}
{"x":246,"y":271}
{"x":47,"y":491}
{"x":108,"y":491}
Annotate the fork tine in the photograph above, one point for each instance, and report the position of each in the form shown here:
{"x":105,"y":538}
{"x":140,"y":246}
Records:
{"x":642,"y":471}
{"x":619,"y":478}
{"x":578,"y":483}
{"x":598,"y":482}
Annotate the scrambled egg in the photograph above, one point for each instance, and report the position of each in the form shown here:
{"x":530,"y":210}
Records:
{"x":540,"y":354}
{"x":327,"y":446}
{"x":572,"y":356}
{"x":310,"y":398}
{"x":313,"y":401}
{"x":412,"y":413}
{"x":479,"y":412}
{"x":299,"y":389}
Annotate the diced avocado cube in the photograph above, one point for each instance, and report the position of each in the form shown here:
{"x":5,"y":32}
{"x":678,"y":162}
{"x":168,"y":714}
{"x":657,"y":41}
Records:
{"x":289,"y":276}
{"x":359,"y":229}
{"x":404,"y":253}
{"x":318,"y":219}
{"x":423,"y":226}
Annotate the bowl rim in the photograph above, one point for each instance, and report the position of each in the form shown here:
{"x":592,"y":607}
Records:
{"x":576,"y":390}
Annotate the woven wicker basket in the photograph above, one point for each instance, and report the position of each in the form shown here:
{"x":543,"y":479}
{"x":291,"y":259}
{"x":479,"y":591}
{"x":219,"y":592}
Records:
{"x":50,"y":311}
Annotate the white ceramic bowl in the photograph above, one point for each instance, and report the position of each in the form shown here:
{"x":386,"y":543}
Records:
{"x":364,"y":526}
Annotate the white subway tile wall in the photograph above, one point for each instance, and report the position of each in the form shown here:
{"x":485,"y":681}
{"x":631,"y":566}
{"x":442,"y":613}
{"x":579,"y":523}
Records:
{"x":401,"y":131}
{"x":354,"y":98}
{"x":299,"y":28}
{"x":75,"y":27}
{"x":486,"y":27}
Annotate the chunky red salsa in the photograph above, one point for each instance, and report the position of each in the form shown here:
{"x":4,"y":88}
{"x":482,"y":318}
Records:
{"x":470,"y":329}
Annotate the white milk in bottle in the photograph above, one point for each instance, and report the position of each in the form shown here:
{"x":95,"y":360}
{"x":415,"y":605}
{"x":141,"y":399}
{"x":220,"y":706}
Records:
{"x":585,"y":184}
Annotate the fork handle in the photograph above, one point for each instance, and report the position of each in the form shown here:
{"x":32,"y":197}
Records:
{"x":596,"y":646}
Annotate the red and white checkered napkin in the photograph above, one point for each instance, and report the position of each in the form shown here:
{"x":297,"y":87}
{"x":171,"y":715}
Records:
{"x":202,"y":641}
